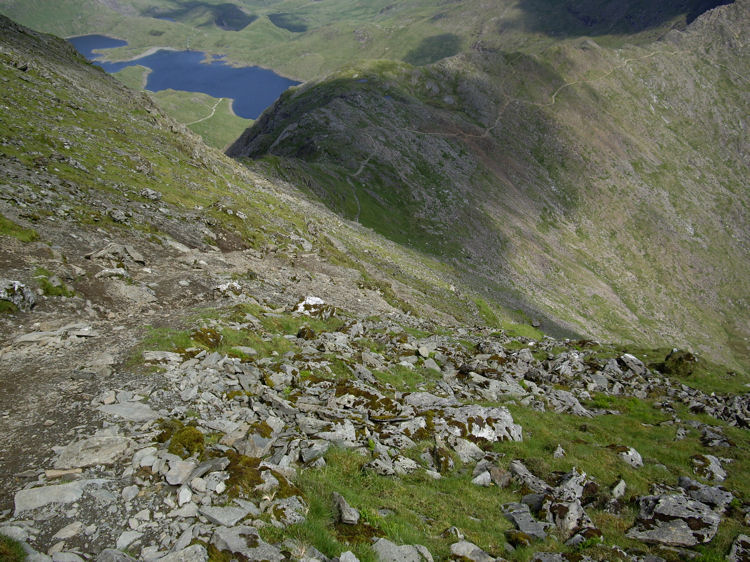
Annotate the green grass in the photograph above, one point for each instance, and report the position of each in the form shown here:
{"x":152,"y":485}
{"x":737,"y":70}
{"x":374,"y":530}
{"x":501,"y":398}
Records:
{"x":420,"y":506}
{"x":11,"y":550}
{"x":50,"y":289}
{"x":133,"y":76}
{"x":10,"y":228}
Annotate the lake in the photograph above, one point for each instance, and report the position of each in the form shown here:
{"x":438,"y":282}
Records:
{"x":252,"y":88}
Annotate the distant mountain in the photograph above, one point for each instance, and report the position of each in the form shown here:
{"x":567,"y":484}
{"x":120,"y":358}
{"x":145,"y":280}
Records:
{"x":607,"y":188}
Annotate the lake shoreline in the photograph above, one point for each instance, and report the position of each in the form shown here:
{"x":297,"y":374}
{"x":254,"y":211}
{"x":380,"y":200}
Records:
{"x":251,"y":88}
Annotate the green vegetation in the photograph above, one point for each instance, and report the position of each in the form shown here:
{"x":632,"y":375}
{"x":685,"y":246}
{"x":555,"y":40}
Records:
{"x":9,"y":228}
{"x":211,"y":118}
{"x":11,"y":550}
{"x":51,"y":285}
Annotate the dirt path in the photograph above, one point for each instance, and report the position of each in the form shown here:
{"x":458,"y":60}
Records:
{"x":207,"y":117}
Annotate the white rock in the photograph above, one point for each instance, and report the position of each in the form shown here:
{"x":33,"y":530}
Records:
{"x":127,"y":538}
{"x":93,"y":451}
{"x":179,"y":472}
{"x":132,"y":411}
{"x":483,"y":479}
{"x":129,"y":492}
{"x":68,"y":531}
{"x":194,"y":553}
{"x":184,"y":495}
{"x":45,"y":495}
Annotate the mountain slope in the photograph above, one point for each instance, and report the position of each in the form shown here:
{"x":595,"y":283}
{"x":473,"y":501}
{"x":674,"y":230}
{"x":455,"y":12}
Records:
{"x":608,"y":187}
{"x":173,"y":388}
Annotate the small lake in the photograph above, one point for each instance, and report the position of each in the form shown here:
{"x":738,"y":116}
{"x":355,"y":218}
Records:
{"x":252,"y":88}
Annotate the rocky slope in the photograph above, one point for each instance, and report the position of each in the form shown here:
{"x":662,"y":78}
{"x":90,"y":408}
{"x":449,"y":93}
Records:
{"x":197,"y":362}
{"x":602,"y":188}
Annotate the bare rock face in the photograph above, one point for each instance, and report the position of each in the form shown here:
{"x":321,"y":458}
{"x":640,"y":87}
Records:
{"x":104,"y":450}
{"x":674,"y":520}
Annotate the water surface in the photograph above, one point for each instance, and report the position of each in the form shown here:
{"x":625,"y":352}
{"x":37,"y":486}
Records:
{"x":252,"y":88}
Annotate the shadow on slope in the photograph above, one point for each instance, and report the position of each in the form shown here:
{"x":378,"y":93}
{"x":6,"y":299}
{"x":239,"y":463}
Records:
{"x":572,"y":18}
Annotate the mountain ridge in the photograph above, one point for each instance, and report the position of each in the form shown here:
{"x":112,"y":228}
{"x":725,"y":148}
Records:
{"x":545,"y":142}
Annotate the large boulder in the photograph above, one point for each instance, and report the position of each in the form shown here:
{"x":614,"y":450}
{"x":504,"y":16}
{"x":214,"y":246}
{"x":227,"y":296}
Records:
{"x":479,"y":424}
{"x":386,"y":551}
{"x":674,"y":520}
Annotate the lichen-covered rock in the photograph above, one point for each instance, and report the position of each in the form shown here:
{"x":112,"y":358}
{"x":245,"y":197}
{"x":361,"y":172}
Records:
{"x":386,"y":551}
{"x":17,"y":293}
{"x":714,"y":496}
{"x":674,"y":520}
{"x":740,"y":551}
{"x":479,"y":424}
{"x":245,"y":541}
{"x":709,"y":467}
{"x":520,"y":515}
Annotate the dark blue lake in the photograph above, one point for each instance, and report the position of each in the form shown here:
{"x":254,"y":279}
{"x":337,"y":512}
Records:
{"x":252,"y":88}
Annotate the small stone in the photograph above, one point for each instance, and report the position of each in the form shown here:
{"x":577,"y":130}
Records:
{"x":130,"y":492}
{"x":193,"y":553}
{"x":225,"y":516}
{"x":179,"y":472}
{"x":386,"y":551}
{"x":348,"y":556}
{"x":68,"y":531}
{"x":484,"y":479}
{"x":184,"y":495}
{"x":127,"y":538}
{"x":346,"y":514}
{"x":198,"y":485}
{"x":559,"y":452}
{"x":618,"y":490}
{"x":465,"y":550}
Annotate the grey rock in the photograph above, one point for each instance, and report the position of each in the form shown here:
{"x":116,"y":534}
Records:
{"x":632,"y":457}
{"x":559,"y":452}
{"x":68,"y":531}
{"x":112,"y":555}
{"x":245,"y":540}
{"x":179,"y":472}
{"x":567,"y":515}
{"x":313,"y":450}
{"x":131,"y":411}
{"x":740,"y":551}
{"x":104,"y":450}
{"x":674,"y":520}
{"x":194,"y":553}
{"x":714,"y":496}
{"x":524,"y":477}
{"x":386,"y":551}
{"x":66,"y":557}
{"x":127,"y":538}
{"x":225,"y":516}
{"x":562,"y":401}
{"x":465,"y":550}
{"x":289,"y":511}
{"x":17,"y":293}
{"x":466,"y":450}
{"x":348,"y":556}
{"x":618,"y":490}
{"x":633,"y":363}
{"x":520,"y":515}
{"x":382,"y":465}
{"x":483,"y":479}
{"x":479,"y":422}
{"x":428,"y":401}
{"x":709,"y":467}
{"x":404,"y":465}
{"x":344,"y":512}
{"x":33,"y":498}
